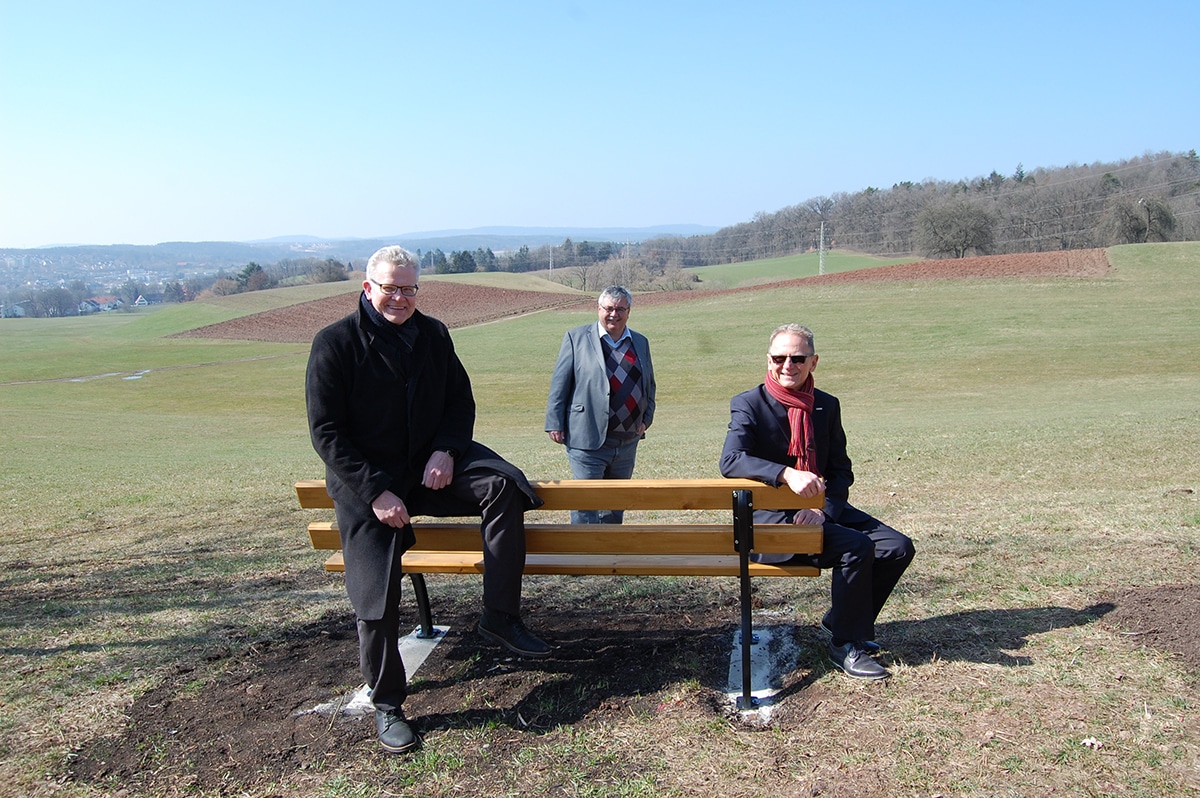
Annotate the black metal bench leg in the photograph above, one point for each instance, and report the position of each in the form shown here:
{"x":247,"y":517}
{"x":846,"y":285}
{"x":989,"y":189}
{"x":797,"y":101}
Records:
{"x":743,"y":538}
{"x":424,"y":612}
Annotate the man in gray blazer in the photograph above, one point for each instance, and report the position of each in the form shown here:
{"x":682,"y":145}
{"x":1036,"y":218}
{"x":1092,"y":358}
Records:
{"x":602,"y":397}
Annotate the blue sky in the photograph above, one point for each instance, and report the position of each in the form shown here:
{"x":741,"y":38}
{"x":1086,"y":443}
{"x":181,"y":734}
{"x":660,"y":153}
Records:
{"x":142,"y":122}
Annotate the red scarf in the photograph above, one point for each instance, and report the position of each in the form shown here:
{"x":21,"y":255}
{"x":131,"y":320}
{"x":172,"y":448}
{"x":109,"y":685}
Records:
{"x":799,"y":404}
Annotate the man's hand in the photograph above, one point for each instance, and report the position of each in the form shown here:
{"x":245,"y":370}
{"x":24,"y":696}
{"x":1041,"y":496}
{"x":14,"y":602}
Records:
{"x":439,"y":471}
{"x":390,"y":510}
{"x":813,"y":517}
{"x":556,"y":435}
{"x":803,"y":483}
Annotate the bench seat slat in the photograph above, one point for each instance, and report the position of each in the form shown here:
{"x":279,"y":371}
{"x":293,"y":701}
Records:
{"x":471,"y":562}
{"x":635,"y":539}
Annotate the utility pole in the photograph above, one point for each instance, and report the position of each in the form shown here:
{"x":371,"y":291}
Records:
{"x":821,"y":250}
{"x":1146,"y":205}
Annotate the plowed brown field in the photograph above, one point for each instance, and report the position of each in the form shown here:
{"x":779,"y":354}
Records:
{"x":462,"y":304}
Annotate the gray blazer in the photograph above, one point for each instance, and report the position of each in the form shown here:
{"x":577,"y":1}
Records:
{"x":578,"y":402}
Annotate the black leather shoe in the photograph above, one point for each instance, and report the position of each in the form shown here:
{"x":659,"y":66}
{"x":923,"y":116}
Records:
{"x":395,"y":735}
{"x":870,"y":646}
{"x":855,"y":661}
{"x":510,"y":632}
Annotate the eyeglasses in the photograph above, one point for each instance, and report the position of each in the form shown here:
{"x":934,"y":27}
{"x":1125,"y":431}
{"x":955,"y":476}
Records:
{"x":618,"y":311}
{"x":797,"y":360}
{"x":391,"y":290}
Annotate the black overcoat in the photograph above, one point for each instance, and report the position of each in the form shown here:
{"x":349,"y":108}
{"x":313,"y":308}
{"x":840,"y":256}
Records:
{"x":375,"y":416}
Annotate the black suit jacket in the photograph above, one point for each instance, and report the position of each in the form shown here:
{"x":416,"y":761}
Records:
{"x":757,"y":443}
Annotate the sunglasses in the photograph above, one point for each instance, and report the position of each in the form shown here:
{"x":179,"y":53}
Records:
{"x":797,"y":360}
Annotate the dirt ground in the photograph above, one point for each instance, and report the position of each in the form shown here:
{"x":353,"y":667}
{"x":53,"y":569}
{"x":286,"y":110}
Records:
{"x":236,"y":722}
{"x":455,"y":304}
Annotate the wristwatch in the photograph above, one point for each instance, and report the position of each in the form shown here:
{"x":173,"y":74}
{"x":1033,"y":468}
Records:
{"x":452,"y":452}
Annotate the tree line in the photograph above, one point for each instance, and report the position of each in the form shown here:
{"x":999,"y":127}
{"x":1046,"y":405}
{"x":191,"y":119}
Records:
{"x":1152,"y":198}
{"x":586,"y":265}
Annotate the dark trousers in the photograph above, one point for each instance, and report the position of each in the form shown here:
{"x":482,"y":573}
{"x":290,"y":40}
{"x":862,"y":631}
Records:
{"x":501,"y":508}
{"x":379,"y":649}
{"x":613,"y":460}
{"x":867,"y":558}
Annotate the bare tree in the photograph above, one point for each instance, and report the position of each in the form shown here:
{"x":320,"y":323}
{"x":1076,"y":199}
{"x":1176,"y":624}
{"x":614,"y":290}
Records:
{"x":956,"y":229}
{"x":583,"y":271}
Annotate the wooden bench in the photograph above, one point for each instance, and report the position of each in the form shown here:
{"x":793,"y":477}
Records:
{"x":648,"y":549}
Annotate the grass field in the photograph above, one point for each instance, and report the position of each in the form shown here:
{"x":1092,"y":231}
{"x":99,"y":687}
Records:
{"x":1037,"y":438}
{"x":521,"y":282}
{"x":771,"y":270}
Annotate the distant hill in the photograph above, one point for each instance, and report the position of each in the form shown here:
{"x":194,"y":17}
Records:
{"x":504,"y":239}
{"x":213,"y":255}
{"x":555,"y":235}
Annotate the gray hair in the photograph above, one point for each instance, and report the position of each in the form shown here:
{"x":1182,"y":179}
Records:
{"x":396,"y":256}
{"x":794,"y":329}
{"x":616,"y":293}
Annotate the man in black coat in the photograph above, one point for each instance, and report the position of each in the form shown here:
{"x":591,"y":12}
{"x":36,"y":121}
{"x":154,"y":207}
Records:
{"x":785,"y":431}
{"x":391,"y":413}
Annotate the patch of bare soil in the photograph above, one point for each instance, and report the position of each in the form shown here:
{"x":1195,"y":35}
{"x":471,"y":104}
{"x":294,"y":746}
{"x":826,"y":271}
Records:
{"x":1162,"y":618}
{"x":1070,"y":263}
{"x":454,"y":304}
{"x":247,"y":727}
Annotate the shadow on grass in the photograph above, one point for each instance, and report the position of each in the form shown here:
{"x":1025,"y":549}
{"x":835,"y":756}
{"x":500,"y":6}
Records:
{"x":984,"y":636}
{"x":622,"y":648}
{"x":602,"y":663}
{"x":85,"y":605}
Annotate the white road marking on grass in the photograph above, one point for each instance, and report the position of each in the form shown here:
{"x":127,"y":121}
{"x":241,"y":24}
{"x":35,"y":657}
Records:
{"x":413,"y":650}
{"x":773,"y":655}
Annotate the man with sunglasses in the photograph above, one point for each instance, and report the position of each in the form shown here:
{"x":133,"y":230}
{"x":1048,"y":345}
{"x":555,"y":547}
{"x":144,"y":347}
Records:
{"x":786,"y":432}
{"x":391,"y":413}
{"x":602,"y":397}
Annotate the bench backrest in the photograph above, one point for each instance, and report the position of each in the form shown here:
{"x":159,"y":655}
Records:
{"x":626,"y":494}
